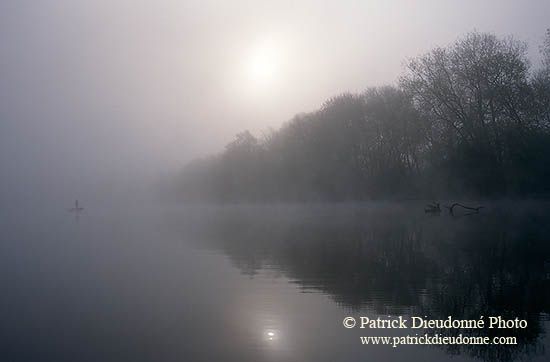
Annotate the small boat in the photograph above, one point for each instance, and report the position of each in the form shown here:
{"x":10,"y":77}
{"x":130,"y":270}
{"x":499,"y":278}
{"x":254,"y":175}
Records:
{"x":76,"y":208}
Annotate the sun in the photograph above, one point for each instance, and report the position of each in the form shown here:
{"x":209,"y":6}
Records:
{"x":264,"y":65}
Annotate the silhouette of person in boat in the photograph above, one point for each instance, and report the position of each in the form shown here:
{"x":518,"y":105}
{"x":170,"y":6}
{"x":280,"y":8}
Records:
{"x":76,"y":208}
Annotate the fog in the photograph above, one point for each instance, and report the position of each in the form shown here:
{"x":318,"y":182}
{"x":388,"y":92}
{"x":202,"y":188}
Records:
{"x":99,"y":99}
{"x":250,"y":174}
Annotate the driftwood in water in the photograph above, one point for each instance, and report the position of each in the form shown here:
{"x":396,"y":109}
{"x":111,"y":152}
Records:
{"x":435,"y":208}
{"x":456,"y":204}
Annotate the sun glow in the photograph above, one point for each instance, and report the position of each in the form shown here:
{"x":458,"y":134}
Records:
{"x":264,"y":65}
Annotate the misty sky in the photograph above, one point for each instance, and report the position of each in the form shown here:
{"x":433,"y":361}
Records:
{"x":97,"y":94}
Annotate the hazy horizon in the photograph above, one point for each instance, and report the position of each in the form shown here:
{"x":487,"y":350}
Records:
{"x":200,"y":180}
{"x":99,"y":95}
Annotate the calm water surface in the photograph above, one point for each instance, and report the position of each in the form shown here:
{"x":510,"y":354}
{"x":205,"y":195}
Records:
{"x":267,"y":283}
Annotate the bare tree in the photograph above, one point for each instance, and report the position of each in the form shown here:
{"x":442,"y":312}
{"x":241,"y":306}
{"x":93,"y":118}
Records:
{"x":473,"y":90}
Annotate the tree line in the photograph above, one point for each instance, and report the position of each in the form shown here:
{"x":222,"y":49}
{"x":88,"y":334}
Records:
{"x":472,"y":118}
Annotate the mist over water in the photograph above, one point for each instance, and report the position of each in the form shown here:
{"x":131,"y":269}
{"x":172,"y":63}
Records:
{"x":194,"y":180}
{"x":210,"y":282}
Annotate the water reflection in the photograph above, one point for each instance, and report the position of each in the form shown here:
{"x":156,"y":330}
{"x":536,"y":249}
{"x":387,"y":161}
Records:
{"x":271,"y":335}
{"x":394,"y":259}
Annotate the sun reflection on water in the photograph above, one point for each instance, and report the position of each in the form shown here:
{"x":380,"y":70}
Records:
{"x":270,"y":335}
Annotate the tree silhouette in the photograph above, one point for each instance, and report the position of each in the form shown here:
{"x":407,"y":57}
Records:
{"x":470,"y":118}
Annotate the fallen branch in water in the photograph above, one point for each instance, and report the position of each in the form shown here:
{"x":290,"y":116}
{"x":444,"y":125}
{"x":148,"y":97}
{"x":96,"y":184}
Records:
{"x":451,"y":208}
